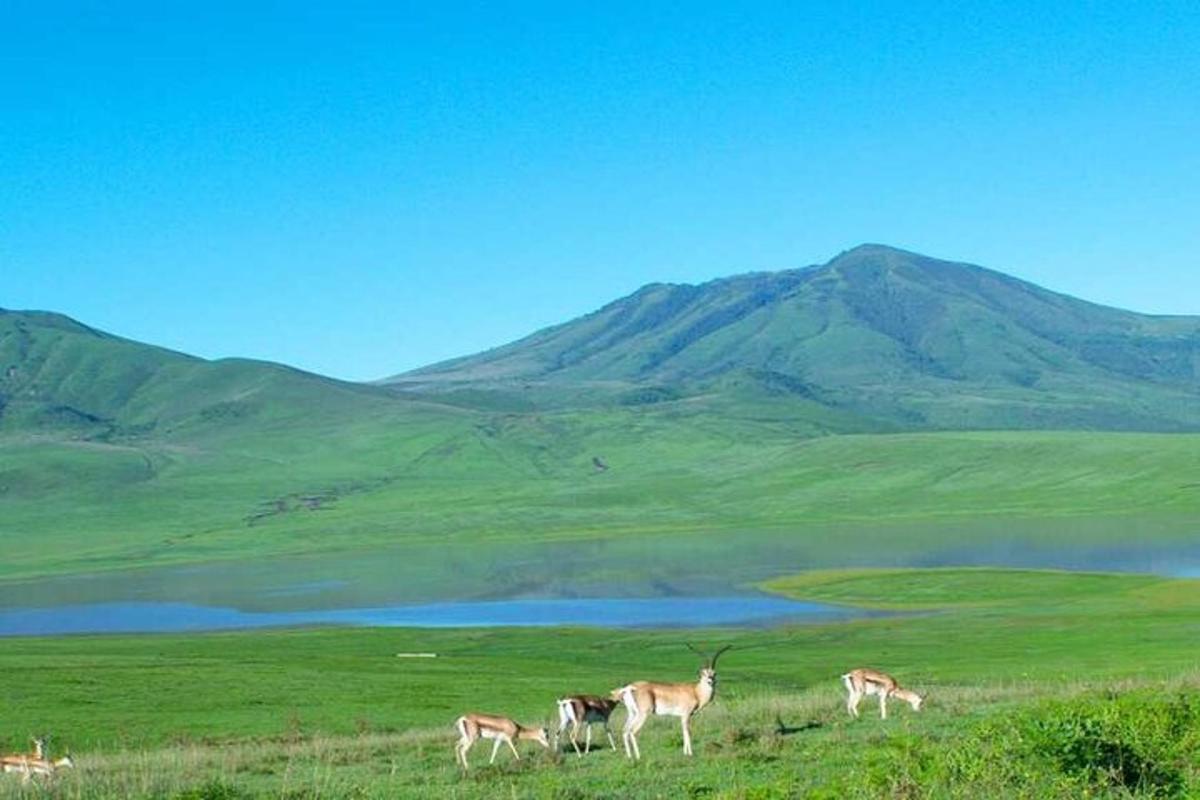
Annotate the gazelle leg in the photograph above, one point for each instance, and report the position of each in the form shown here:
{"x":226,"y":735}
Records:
{"x":495,"y":748}
{"x":587,"y":737}
{"x":573,"y":735}
{"x":632,"y":726}
{"x":563,"y":722}
{"x":513,"y":747}
{"x":687,"y":736}
{"x":883,"y":705}
{"x":608,"y":731}
{"x":852,"y":703}
{"x":625,"y":734}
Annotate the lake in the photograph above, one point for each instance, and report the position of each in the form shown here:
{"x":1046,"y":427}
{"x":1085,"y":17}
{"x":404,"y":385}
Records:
{"x":147,"y":617}
{"x":666,"y":580}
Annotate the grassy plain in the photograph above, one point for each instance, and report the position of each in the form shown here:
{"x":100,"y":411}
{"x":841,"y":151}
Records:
{"x":1088,"y":661}
{"x":455,"y":484}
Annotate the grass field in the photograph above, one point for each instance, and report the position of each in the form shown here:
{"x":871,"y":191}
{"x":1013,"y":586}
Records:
{"x":1024,"y":671}
{"x":529,"y":482}
{"x":115,"y":453}
{"x":234,"y":482}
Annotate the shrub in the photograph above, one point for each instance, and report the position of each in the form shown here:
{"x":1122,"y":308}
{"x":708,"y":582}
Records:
{"x":214,"y":790}
{"x":1139,"y":742}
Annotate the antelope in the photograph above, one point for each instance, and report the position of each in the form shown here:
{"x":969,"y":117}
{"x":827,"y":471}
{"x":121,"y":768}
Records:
{"x":471,"y":727}
{"x":643,"y":699}
{"x":581,"y":710}
{"x":862,"y":682}
{"x":28,"y":767}
{"x":17,"y":762}
{"x":35,"y":763}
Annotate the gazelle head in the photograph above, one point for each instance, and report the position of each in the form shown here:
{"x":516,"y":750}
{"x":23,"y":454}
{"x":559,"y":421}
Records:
{"x":708,"y":672}
{"x":912,"y":698}
{"x":39,"y":745}
{"x":543,"y":737}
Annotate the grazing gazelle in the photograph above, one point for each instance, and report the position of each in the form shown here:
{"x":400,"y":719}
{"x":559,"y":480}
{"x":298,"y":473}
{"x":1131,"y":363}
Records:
{"x":581,"y":710}
{"x":472,"y":727}
{"x":19,"y":762}
{"x":36,"y":766}
{"x":643,"y":699}
{"x":29,"y":764}
{"x":862,"y":682}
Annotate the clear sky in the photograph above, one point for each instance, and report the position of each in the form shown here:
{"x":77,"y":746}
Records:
{"x":358,"y":189}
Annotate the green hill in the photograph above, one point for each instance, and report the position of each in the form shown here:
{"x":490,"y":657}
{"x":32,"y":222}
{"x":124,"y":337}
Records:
{"x":675,"y":432}
{"x":886,"y":335}
{"x":58,"y":375}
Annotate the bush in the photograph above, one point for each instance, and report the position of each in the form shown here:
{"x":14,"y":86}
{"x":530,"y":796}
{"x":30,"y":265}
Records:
{"x":214,"y":790}
{"x":1141,"y":744}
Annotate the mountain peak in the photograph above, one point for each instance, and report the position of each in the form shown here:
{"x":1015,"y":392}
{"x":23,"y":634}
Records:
{"x":881,"y":257}
{"x":876,"y":330}
{"x":874,"y":249}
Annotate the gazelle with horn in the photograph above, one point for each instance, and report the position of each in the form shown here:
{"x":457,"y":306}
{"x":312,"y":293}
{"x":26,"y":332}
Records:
{"x":644,"y":699}
{"x":36,"y":763}
{"x":501,"y":730}
{"x":27,"y":767}
{"x":862,"y":682}
{"x":582,"y":710}
{"x":9,"y":762}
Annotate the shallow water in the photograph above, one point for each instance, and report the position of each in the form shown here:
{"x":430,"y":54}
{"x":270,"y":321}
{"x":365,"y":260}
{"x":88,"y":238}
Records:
{"x":602,"y":612}
{"x":471,"y":577}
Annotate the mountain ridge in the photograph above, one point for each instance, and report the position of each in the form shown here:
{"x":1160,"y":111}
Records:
{"x":890,"y":338}
{"x":57,"y":373}
{"x":873,"y":321}
{"x":851,"y":265}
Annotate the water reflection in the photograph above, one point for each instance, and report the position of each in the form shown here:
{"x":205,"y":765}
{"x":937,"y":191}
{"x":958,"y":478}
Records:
{"x":602,"y":612}
{"x":718,"y":564}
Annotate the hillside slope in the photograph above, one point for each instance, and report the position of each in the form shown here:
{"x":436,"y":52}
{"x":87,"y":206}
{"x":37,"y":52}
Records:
{"x":58,"y":376}
{"x":877,"y":332}
{"x":708,"y":417}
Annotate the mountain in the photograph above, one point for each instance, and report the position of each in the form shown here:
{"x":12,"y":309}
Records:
{"x":57,"y":374}
{"x":693,"y":413}
{"x":879,"y":332}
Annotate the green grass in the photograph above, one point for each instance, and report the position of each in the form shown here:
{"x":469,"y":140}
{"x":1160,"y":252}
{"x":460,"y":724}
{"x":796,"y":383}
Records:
{"x":917,"y":589}
{"x":426,"y":480}
{"x":1021,"y":688}
{"x":113,"y":452}
{"x":1041,"y":684}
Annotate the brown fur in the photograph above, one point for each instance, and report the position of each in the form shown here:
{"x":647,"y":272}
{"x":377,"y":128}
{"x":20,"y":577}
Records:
{"x":861,"y":682}
{"x":502,"y":730}
{"x":585,"y":709}
{"x":644,"y":699}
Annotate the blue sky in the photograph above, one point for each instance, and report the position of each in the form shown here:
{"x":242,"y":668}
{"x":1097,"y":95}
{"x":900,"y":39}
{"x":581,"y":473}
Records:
{"x":360,"y":188}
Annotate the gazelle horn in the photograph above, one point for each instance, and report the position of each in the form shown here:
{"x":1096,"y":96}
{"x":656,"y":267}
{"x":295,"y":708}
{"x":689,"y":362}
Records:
{"x":710,"y":661}
{"x":717,"y":655}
